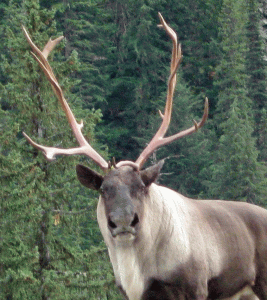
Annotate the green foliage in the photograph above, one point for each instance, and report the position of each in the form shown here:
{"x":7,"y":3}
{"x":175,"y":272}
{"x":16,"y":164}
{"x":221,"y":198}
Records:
{"x":136,"y":75}
{"x":256,"y":68}
{"x":47,"y":250}
{"x":236,"y":173}
{"x":187,"y":156}
{"x":75,"y":20}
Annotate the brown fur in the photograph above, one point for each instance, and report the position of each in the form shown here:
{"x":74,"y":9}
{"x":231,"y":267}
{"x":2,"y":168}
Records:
{"x":163,"y":245}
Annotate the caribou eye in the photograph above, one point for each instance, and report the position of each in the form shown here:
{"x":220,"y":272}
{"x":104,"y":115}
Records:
{"x":103,"y":190}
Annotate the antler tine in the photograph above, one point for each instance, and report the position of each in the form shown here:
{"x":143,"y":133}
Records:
{"x":158,"y":140}
{"x":175,"y":62}
{"x":51,"y":152}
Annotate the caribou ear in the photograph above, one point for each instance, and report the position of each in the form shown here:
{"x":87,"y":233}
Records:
{"x":151,"y":174}
{"x":88,"y":177}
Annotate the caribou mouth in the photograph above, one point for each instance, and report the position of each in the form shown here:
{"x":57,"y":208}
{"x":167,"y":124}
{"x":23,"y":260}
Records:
{"x":124,"y":233}
{"x":125,"y":237}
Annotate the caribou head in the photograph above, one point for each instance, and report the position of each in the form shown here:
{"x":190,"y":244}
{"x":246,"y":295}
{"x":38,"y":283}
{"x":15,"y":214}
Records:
{"x":163,"y":245}
{"x":123,"y":191}
{"x":124,"y":182}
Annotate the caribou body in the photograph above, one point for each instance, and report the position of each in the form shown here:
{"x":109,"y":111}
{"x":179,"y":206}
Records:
{"x":161,"y":244}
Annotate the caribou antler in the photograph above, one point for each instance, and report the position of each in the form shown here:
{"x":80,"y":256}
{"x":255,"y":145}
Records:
{"x":51,"y":152}
{"x":159,"y":140}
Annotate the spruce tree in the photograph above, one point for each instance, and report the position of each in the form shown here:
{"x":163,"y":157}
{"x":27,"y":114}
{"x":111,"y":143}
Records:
{"x":256,"y":69}
{"x":136,"y":71}
{"x":50,"y":244}
{"x":237,"y":174}
{"x":85,"y":25}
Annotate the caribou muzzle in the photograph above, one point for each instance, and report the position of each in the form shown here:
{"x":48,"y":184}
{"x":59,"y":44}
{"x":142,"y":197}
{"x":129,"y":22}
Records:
{"x":121,"y":223}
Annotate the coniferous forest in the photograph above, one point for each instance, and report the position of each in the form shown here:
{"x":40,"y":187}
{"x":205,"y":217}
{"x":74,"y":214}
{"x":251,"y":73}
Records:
{"x":113,"y":66}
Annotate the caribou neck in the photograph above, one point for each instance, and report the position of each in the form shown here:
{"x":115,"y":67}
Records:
{"x":151,"y":254}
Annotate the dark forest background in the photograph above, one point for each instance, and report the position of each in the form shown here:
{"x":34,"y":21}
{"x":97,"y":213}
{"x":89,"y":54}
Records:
{"x":113,"y":66}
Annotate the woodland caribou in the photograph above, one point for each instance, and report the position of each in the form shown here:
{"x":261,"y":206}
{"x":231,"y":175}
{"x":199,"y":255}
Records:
{"x":161,"y":244}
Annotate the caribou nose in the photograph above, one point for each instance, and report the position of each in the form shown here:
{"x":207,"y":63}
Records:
{"x":122,"y":223}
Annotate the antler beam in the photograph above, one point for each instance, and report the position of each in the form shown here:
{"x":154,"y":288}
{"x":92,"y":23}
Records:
{"x":159,"y":140}
{"x":51,"y":152}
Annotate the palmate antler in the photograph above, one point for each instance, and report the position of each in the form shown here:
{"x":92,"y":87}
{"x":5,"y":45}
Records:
{"x":85,"y":149}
